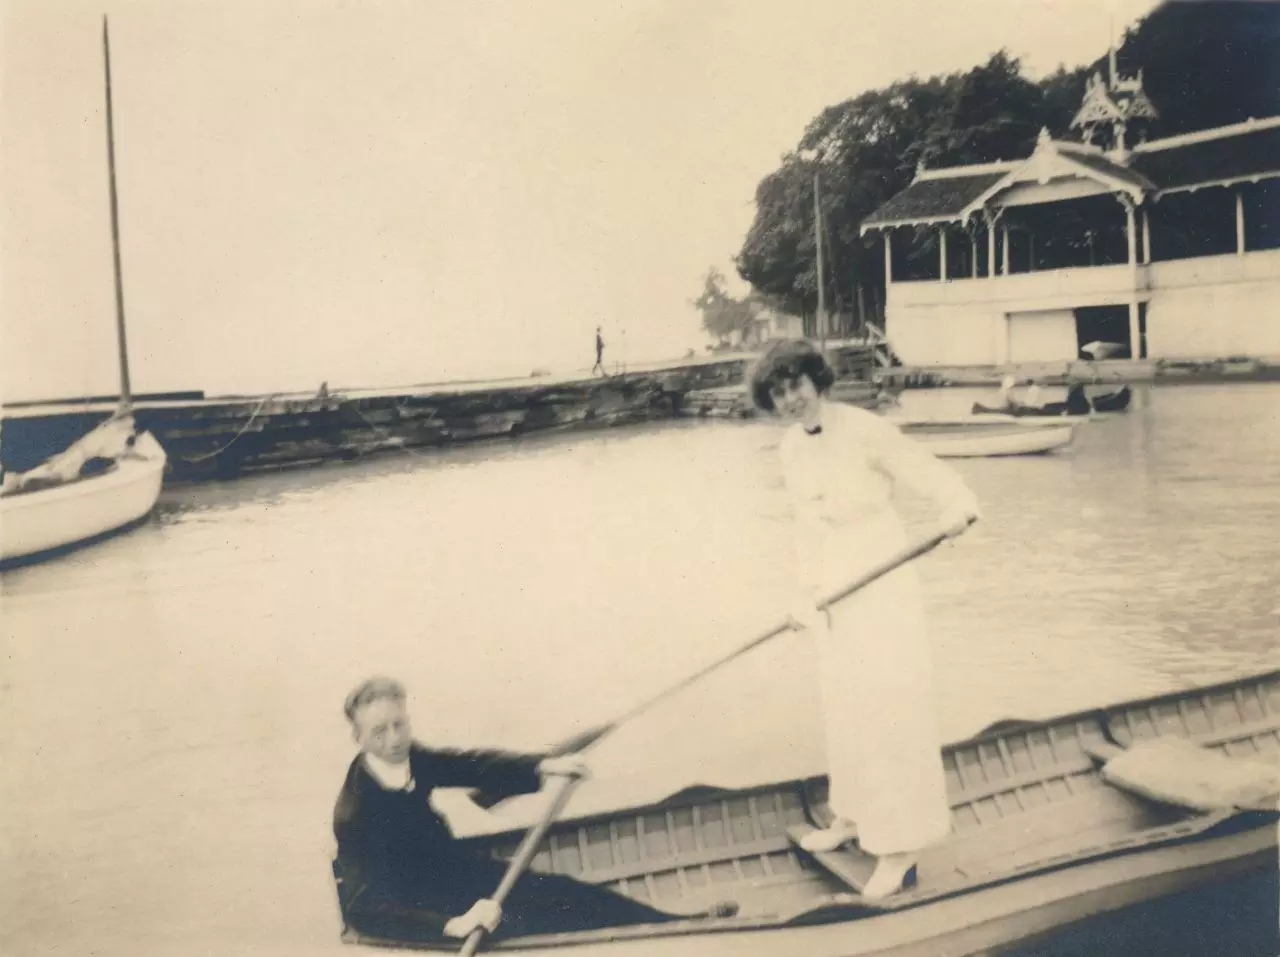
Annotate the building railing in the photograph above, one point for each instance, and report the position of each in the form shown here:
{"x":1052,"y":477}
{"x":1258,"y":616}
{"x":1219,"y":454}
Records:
{"x":1083,"y":286}
{"x":1045,"y":289}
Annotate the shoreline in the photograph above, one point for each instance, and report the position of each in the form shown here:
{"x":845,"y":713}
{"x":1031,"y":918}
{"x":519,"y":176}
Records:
{"x":222,"y":437}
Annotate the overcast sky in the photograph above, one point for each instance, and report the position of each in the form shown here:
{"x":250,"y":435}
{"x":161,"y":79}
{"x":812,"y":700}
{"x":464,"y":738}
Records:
{"x":374,"y":193}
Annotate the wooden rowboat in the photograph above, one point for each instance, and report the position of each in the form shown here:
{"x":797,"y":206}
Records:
{"x":1052,"y":822}
{"x":988,"y":435}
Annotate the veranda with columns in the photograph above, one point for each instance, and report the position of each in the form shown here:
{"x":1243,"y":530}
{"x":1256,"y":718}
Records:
{"x":1073,"y":236}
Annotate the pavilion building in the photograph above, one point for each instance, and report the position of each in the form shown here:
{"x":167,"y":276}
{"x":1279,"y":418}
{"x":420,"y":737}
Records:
{"x":1168,"y":248}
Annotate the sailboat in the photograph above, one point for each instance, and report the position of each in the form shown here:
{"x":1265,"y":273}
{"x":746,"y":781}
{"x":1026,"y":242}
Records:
{"x":105,"y":481}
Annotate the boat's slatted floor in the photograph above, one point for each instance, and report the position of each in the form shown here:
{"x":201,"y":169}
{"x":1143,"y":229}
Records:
{"x":685,"y":856}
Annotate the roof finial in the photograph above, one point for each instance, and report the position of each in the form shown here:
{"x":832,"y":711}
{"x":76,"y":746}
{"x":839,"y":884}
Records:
{"x":1111,"y":54}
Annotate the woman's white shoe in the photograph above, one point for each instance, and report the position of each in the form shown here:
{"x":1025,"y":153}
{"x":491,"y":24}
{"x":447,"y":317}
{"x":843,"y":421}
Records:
{"x":837,"y":834}
{"x":890,"y":874}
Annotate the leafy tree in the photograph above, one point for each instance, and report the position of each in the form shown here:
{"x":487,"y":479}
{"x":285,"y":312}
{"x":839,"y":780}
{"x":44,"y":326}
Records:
{"x":722,"y":314}
{"x":1205,"y":63}
{"x":865,"y":150}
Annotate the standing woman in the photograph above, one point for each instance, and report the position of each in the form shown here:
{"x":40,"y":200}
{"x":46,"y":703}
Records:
{"x":842,"y":465}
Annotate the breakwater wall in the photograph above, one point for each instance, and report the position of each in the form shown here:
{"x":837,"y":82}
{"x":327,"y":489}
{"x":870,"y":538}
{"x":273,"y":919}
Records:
{"x":224,"y":437}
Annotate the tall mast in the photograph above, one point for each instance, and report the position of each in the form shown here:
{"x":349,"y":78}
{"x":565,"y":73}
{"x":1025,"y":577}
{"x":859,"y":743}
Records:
{"x":126,"y":396}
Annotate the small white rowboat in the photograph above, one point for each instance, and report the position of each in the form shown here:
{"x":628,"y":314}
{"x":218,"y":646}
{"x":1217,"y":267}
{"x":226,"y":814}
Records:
{"x":989,"y":435}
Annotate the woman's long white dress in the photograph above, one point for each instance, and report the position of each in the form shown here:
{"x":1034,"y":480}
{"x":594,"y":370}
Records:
{"x":882,"y":742}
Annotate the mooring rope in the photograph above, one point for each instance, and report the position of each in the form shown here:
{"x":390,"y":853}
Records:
{"x":243,"y":429}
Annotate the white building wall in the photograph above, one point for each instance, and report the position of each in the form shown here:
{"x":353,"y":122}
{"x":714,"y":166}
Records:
{"x":1211,"y":307}
{"x":1048,"y":336}
{"x":1215,"y":307}
{"x":930,"y":336}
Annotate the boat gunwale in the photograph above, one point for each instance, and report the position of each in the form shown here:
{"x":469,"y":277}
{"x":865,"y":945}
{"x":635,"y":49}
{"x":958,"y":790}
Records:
{"x":826,"y":912}
{"x":699,"y":791}
{"x":127,"y":469}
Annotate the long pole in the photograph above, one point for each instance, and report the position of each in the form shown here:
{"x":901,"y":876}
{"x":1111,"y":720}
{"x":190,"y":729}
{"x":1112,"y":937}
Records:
{"x":588,"y":740}
{"x":126,"y":395}
{"x":817,"y":242}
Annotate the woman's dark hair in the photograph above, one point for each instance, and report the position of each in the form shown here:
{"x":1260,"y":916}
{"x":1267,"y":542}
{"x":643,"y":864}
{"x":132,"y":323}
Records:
{"x":787,"y":361}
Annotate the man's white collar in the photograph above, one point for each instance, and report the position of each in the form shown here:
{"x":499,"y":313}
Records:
{"x":393,"y":777}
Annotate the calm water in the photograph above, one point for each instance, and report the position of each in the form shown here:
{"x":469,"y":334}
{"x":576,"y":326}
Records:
{"x":172,"y":731}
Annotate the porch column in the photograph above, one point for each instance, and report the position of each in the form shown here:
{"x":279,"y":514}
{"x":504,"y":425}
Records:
{"x":973,"y":256}
{"x":1239,"y":222}
{"x":1131,"y":230}
{"x":991,"y":248}
{"x":942,"y":252}
{"x":1004,"y":256}
{"x":1146,"y":236}
{"x":1135,"y":326}
{"x":888,"y":261}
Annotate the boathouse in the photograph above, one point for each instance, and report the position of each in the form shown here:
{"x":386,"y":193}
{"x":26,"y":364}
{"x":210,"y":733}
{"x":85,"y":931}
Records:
{"x":1167,"y":248}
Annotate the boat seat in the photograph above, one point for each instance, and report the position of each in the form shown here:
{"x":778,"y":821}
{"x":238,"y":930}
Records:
{"x":849,"y":864}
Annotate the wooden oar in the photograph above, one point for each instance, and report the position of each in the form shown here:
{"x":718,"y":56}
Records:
{"x":524,"y":854}
{"x":586,"y":740}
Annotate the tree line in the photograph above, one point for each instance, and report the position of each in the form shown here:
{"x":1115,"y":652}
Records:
{"x":1205,"y":63}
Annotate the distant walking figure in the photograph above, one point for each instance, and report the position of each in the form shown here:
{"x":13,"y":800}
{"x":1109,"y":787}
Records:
{"x":599,"y":353}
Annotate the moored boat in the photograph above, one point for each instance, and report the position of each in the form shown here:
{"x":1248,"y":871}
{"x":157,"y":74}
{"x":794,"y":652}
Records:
{"x":83,"y":509}
{"x":1052,"y":821}
{"x":106,"y":480}
{"x":982,"y":436}
{"x":1114,"y":401}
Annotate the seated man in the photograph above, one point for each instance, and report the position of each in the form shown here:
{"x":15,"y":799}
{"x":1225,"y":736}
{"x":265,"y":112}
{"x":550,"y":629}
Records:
{"x":1077,"y":402}
{"x":405,"y":876}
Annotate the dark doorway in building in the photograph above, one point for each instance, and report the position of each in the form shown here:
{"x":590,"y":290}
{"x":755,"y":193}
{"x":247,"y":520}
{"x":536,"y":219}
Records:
{"x":1106,"y":324}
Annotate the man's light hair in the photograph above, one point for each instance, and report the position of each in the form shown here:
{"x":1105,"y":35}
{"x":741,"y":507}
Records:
{"x":369,"y":691}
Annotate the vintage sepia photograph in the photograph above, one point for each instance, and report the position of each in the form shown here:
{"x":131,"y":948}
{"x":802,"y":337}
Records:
{"x":640,"y":478}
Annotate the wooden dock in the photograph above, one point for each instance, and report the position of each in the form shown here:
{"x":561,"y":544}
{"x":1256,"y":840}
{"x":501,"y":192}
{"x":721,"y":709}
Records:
{"x":223,"y":437}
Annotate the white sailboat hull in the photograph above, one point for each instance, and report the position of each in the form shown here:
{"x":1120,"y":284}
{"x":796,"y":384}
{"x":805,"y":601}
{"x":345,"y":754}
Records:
{"x":39,"y":521}
{"x":982,"y":437}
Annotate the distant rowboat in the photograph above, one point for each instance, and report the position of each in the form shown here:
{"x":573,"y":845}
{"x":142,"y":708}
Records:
{"x":988,"y":435}
{"x":1052,"y":821}
{"x":1116,"y":401}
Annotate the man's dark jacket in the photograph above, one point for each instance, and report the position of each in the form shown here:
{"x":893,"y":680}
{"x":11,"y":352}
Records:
{"x":402,"y":870}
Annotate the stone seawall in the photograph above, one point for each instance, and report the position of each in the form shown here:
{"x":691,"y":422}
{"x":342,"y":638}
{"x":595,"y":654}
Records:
{"x":221,"y":438}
